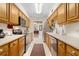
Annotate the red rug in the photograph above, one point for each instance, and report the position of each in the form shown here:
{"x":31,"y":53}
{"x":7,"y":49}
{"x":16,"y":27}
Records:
{"x":38,"y":50}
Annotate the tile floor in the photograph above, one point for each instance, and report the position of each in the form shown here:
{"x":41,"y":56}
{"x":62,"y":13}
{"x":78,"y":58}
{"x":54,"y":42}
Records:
{"x":37,"y":40}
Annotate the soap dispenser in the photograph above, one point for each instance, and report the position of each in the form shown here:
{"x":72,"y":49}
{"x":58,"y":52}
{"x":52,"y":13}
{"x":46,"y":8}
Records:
{"x":63,"y":30}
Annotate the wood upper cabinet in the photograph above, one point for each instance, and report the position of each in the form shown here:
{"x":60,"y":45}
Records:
{"x":13,"y":48}
{"x":72,"y":11}
{"x":21,"y":14}
{"x":61,"y":18}
{"x":4,"y":50}
{"x":55,"y":15}
{"x":61,"y":48}
{"x":27,"y":21}
{"x":4,"y":11}
{"x":52,"y":18}
{"x":21,"y":46}
{"x":49,"y":22}
{"x":14,"y":14}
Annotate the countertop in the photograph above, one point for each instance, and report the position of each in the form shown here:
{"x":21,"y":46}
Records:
{"x":9,"y":38}
{"x":74,"y":42}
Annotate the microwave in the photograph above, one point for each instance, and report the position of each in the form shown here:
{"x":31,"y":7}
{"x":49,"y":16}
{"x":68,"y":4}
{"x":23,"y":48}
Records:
{"x":22,"y":22}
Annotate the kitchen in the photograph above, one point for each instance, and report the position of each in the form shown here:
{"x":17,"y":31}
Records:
{"x":50,"y":31}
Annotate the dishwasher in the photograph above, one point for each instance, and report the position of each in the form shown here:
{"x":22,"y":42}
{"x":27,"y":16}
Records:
{"x":53,"y":48}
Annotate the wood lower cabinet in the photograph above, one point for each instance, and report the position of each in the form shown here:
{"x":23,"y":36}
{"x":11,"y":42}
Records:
{"x":70,"y":51}
{"x":61,"y":48}
{"x":66,"y":50}
{"x":14,"y":48}
{"x":53,"y":45}
{"x":47,"y":40}
{"x":4,"y":50}
{"x":21,"y":46}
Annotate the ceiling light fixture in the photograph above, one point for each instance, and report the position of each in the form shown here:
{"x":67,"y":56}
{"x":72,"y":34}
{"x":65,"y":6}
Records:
{"x":38,"y":7}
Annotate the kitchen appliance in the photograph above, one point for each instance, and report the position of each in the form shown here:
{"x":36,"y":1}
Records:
{"x":16,"y":30}
{"x":53,"y":48}
{"x":22,"y":22}
{"x":2,"y":34}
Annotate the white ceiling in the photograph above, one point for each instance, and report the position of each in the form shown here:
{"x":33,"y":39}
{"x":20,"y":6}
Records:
{"x":46,"y":10}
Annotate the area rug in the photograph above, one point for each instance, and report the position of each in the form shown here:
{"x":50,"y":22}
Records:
{"x":38,"y":50}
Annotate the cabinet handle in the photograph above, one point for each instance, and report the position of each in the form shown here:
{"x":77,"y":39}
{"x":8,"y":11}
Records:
{"x":60,"y":44}
{"x":73,"y":52}
{"x":14,"y":43}
{"x":1,"y":50}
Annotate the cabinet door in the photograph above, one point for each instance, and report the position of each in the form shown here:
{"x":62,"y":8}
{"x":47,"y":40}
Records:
{"x":14,"y":12}
{"x":21,"y":46}
{"x":47,"y":39}
{"x":72,"y":11}
{"x":61,"y":13}
{"x":27,"y":22}
{"x":4,"y":50}
{"x":3,"y":10}
{"x":14,"y":48}
{"x":61,"y":48}
{"x":70,"y":51}
{"x":53,"y":46}
{"x":4,"y":54}
{"x":49,"y":22}
{"x":55,"y":15}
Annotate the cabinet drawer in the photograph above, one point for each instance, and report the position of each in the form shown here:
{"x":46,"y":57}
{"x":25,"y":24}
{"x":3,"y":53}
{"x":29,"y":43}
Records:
{"x":4,"y":50}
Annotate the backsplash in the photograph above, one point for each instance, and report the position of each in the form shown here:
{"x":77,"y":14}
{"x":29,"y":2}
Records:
{"x":72,"y":27}
{"x":3,"y":26}
{"x":5,"y":29}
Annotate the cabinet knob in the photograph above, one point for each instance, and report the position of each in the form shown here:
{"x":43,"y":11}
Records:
{"x":73,"y":52}
{"x":14,"y":43}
